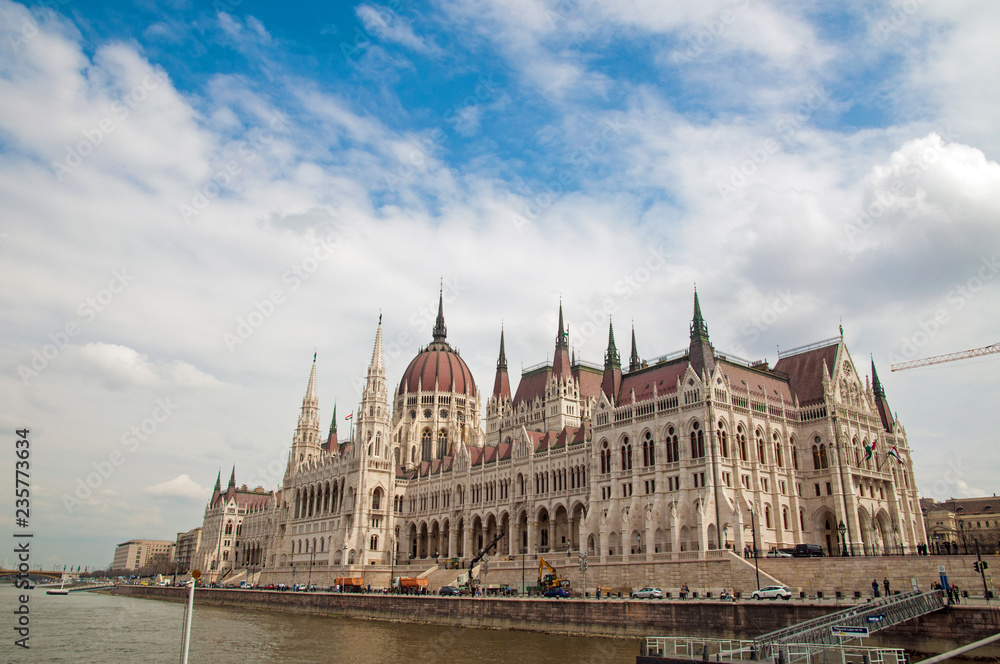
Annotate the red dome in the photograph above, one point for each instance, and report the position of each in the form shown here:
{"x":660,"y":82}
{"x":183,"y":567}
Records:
{"x":438,"y":362}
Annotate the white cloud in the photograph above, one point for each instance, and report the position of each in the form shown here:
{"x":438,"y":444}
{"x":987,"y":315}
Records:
{"x":389,"y":26}
{"x":122,"y":367}
{"x":181,"y":486}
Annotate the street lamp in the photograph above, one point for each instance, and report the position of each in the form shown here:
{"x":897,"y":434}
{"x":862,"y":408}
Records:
{"x":343,"y":569}
{"x":725,"y":537}
{"x":293,"y":576}
{"x":842,"y":529}
{"x":961,"y":528}
{"x":392,"y":560}
{"x":312,"y":558}
{"x":753,"y":529}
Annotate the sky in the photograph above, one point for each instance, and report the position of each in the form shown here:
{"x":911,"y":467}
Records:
{"x":197,"y":197}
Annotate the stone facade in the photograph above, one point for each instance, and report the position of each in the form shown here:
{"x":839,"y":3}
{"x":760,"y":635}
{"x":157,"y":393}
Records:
{"x":136,"y":554}
{"x":672,"y":458}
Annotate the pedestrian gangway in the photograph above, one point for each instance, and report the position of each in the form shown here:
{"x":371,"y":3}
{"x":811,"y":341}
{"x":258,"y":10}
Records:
{"x":733,"y":650}
{"x":853,"y":623}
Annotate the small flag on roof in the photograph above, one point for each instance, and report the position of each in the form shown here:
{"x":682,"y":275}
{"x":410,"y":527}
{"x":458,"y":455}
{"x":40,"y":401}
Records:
{"x":870,"y":449}
{"x":349,"y":416}
{"x":894,"y":453}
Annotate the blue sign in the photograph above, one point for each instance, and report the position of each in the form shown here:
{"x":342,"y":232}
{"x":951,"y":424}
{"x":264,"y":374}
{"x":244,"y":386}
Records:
{"x":876,"y":618}
{"x":847,"y":630}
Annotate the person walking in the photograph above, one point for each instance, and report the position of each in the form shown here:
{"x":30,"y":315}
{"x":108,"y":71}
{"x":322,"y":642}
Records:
{"x":885,"y":587}
{"x":875,"y":587}
{"x":598,"y":592}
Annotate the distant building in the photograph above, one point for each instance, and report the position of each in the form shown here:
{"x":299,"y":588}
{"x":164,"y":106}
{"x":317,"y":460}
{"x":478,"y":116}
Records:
{"x":237,"y":525}
{"x":187,"y":547}
{"x":136,"y":554}
{"x":958,"y":524}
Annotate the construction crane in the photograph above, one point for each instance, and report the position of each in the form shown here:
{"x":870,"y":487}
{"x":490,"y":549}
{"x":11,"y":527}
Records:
{"x":950,"y":357}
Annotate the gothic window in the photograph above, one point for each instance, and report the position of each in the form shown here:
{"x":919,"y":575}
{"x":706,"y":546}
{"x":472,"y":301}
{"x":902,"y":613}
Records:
{"x":605,"y":458}
{"x":442,"y":443}
{"x":767,"y":516}
{"x":723,"y":442}
{"x":822,"y":457}
{"x":425,"y":445}
{"x":373,"y":543}
{"x":648,"y":449}
{"x":777,"y":451}
{"x":673,"y":448}
{"x":626,"y":454}
{"x":377,"y":498}
{"x":229,"y":527}
{"x":741,"y":438}
{"x":784,"y":517}
{"x":761,"y":458}
{"x":816,"y":461}
{"x":795,"y":455}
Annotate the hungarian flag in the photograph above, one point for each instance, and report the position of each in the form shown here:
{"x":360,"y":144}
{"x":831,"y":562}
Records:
{"x":870,"y":449}
{"x":894,"y":453}
{"x":349,"y":416}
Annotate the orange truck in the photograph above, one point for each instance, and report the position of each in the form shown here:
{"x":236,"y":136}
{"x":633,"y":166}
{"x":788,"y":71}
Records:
{"x":350,"y":583}
{"x":409,"y":583}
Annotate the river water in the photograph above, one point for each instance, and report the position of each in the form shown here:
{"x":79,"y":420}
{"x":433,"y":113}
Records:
{"x":85,"y":627}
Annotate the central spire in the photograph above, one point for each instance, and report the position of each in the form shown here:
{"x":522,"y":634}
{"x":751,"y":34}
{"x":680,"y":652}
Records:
{"x":440,"y":330}
{"x":562,"y":334}
{"x":634,"y":363}
{"x":699,"y":328}
{"x":560,"y":361}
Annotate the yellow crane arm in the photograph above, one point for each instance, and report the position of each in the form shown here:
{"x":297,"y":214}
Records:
{"x":950,"y":357}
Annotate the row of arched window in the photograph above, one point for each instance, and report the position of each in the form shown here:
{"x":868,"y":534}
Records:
{"x":320,"y":499}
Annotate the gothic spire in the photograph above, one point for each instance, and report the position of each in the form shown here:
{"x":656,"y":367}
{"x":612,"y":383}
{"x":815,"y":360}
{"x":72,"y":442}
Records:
{"x":440,"y":330}
{"x":634,"y":363}
{"x":561,"y":334}
{"x":611,"y":358}
{"x":232,"y":479}
{"x":333,"y":424}
{"x":501,"y":385}
{"x":876,"y":384}
{"x":311,"y":395}
{"x":612,"y":379}
{"x":218,"y":481}
{"x":699,"y":329}
{"x":560,"y":361}
{"x":378,"y":359}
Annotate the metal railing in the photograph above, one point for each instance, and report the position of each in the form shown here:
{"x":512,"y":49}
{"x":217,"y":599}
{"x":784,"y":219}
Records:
{"x":707,"y":649}
{"x":873,"y":616}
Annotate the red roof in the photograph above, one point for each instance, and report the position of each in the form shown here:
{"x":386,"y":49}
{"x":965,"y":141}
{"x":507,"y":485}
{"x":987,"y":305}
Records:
{"x":805,"y":372}
{"x":663,"y":376}
{"x":438,"y":363}
{"x":756,"y":383}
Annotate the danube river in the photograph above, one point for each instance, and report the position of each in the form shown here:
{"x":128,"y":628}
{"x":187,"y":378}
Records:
{"x":92,"y":628}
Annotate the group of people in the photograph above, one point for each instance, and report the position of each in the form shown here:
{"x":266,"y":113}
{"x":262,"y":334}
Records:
{"x":952,"y":590}
{"x":885,"y":587}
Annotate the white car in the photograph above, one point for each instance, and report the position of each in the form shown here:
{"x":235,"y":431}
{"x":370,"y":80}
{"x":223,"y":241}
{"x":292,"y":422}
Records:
{"x":772,"y":592}
{"x":648,"y":593}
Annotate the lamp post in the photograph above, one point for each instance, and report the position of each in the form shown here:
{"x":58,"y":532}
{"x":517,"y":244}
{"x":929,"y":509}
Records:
{"x":343,"y":569}
{"x":961,"y":528}
{"x":312,"y":558}
{"x":753,"y":529}
{"x":725,"y":537}
{"x":293,"y":576}
{"x":842,"y":529}
{"x":522,"y":572}
{"x":392,"y":560}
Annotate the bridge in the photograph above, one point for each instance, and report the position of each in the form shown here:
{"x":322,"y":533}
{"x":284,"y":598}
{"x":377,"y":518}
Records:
{"x":8,"y":575}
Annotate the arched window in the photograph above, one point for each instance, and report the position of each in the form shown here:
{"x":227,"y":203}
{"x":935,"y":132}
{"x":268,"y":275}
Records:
{"x":442,"y":444}
{"x":802,"y":519}
{"x":605,"y":458}
{"x":673,"y":449}
{"x":648,"y":449}
{"x":816,"y":462}
{"x":822,"y":457}
{"x":795,"y":455}
{"x":761,"y":458}
{"x":784,"y":517}
{"x":741,"y":438}
{"x":626,"y":454}
{"x":229,"y":527}
{"x":723,"y":441}
{"x":767,"y":516}
{"x":377,"y":498}
{"x":373,"y":543}
{"x":425,"y":445}
{"x":777,"y":452}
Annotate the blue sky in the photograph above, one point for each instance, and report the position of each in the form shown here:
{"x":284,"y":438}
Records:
{"x":170,"y":172}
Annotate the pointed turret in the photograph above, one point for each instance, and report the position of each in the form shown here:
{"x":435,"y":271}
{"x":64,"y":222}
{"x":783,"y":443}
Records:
{"x":331,"y":438}
{"x":306,"y":442}
{"x":634,"y":363}
{"x":701,"y":354}
{"x":881,"y":403}
{"x":612,"y":379}
{"x":560,"y":361}
{"x":501,"y":385}
{"x":440,"y":330}
{"x":218,"y":482}
{"x":232,"y":479}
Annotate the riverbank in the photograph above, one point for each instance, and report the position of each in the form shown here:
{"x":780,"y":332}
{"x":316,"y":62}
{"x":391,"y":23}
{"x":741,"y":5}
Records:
{"x":607,"y":618}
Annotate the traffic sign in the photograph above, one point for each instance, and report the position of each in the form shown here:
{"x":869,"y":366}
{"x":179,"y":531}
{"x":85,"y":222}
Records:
{"x":876,"y":618}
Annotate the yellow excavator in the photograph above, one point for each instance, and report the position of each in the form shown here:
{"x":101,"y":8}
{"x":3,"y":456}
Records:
{"x":550,"y":580}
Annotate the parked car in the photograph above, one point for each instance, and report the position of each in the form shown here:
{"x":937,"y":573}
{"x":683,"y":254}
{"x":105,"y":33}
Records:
{"x":449,"y":591}
{"x":772,"y":592}
{"x":778,"y":553}
{"x":556,"y":592}
{"x":648,"y":593}
{"x":808,"y":551}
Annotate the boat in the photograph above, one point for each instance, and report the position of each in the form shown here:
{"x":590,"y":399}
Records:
{"x":58,"y":591}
